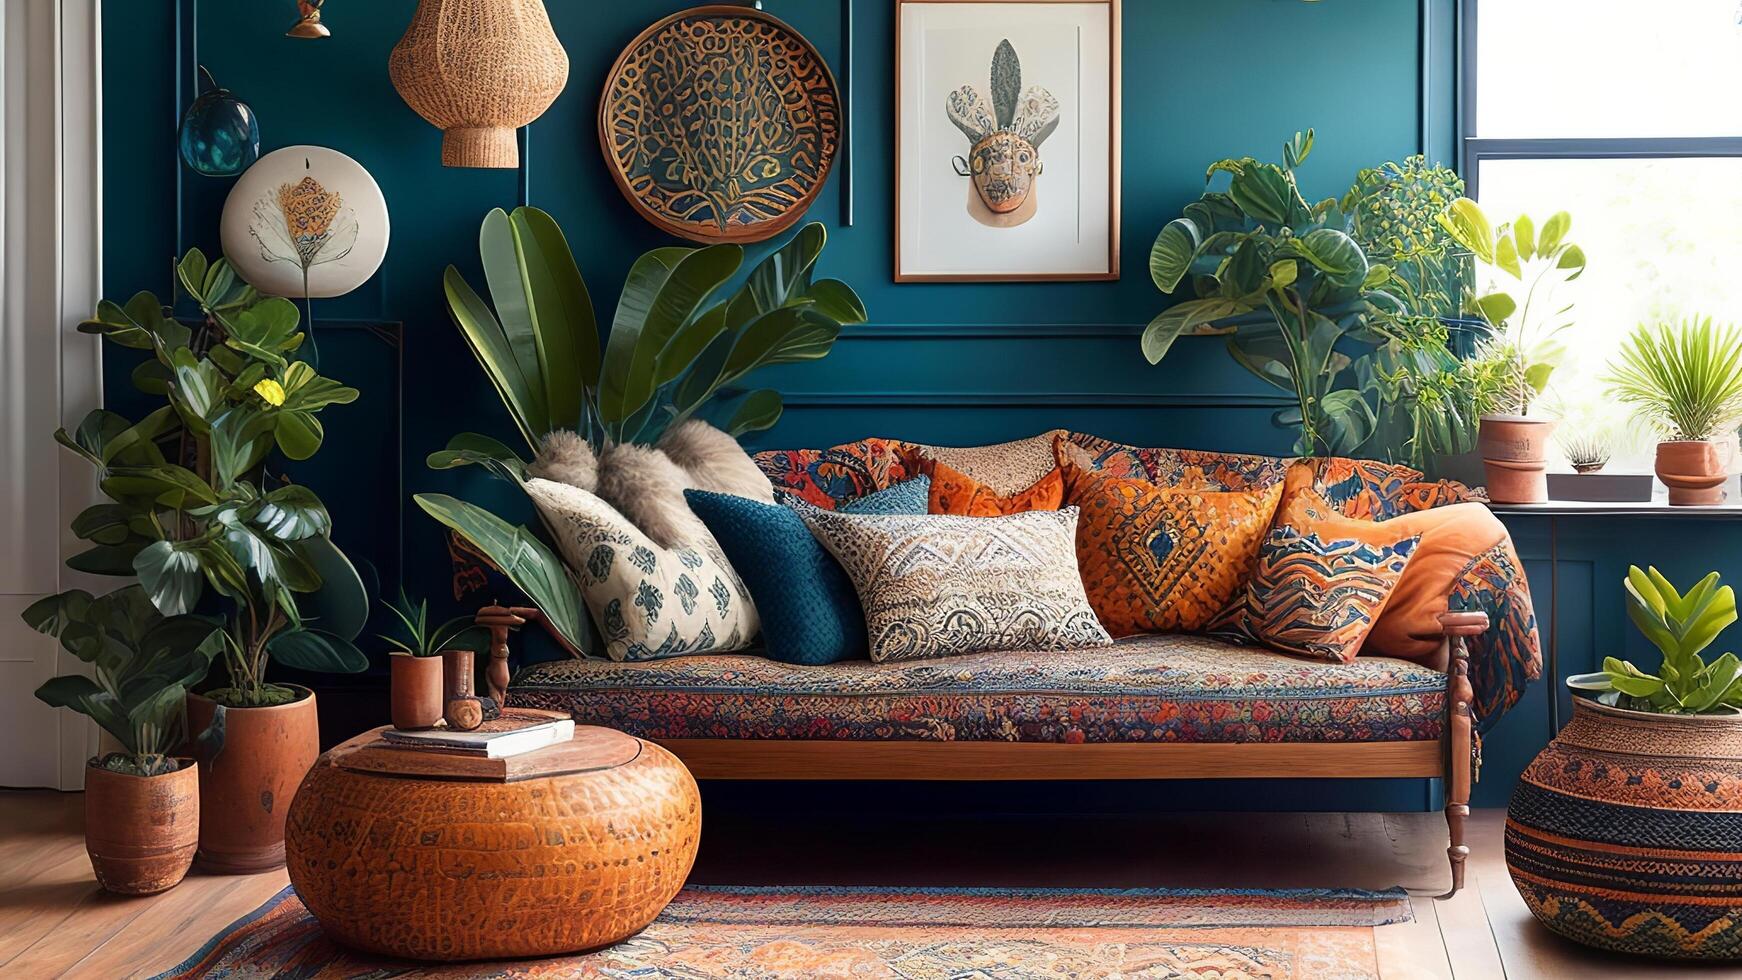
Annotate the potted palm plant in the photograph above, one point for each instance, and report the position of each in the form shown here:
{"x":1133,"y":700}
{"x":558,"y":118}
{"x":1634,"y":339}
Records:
{"x":202,"y":512}
{"x":1524,"y":338}
{"x":1626,"y":833}
{"x":1684,"y":380}
{"x":142,"y":810}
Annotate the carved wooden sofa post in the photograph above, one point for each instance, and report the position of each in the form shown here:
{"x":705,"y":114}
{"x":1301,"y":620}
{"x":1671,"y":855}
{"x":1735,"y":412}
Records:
{"x":1460,"y":732}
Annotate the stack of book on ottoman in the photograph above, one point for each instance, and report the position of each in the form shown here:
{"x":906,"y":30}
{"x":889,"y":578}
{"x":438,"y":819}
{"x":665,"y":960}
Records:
{"x":497,"y":749}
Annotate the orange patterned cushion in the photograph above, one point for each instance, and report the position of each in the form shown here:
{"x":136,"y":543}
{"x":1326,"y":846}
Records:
{"x":1317,"y":593}
{"x":1452,"y":537}
{"x":1157,"y":558}
{"x":827,"y":478}
{"x":955,"y":492}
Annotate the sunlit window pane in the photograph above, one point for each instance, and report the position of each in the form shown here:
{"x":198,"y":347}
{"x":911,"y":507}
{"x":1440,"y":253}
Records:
{"x":1607,"y":68}
{"x":1663,"y":239}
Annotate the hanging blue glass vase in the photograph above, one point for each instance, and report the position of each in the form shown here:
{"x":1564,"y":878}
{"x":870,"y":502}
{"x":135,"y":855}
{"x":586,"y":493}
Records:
{"x":220,"y":135}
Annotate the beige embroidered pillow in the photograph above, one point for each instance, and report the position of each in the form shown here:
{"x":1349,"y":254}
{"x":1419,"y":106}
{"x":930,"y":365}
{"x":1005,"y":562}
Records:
{"x":648,"y":601}
{"x":936,"y":585}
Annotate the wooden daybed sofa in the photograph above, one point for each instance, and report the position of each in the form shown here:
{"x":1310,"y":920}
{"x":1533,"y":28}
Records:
{"x":1149,"y":707}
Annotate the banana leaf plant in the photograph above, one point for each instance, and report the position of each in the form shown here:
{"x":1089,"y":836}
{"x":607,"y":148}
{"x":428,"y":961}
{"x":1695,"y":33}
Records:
{"x":679,"y":345}
{"x":142,"y":664}
{"x":1291,"y":289}
{"x":1680,"y":626}
{"x":1537,"y":261}
{"x":196,"y":508}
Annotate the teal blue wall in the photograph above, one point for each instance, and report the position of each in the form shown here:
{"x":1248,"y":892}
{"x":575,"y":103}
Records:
{"x":943,"y":363}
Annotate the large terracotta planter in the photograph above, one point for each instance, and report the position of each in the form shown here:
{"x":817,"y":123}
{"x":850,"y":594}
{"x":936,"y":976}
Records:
{"x":246,"y":790}
{"x":1514,"y":450}
{"x":1626,"y":832}
{"x":1693,"y":471}
{"x":141,"y":831}
{"x":417,"y":700}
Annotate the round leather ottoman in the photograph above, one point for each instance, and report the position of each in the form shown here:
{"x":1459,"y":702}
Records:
{"x":573,"y":847}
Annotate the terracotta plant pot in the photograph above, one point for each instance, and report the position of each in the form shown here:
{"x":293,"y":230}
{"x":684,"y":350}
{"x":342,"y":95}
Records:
{"x":141,"y":831}
{"x":1626,"y":832}
{"x":417,"y":691}
{"x":246,"y":790}
{"x":1693,"y":471}
{"x":1514,"y":452}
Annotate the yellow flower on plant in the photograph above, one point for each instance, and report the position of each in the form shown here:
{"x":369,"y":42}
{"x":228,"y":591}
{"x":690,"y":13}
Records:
{"x":270,"y":391}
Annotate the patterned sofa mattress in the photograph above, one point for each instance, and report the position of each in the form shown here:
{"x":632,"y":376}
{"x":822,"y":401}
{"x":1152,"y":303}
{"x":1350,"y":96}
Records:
{"x":1154,"y":688}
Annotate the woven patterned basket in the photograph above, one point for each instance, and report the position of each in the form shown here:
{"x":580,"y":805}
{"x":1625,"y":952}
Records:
{"x":478,"y":70}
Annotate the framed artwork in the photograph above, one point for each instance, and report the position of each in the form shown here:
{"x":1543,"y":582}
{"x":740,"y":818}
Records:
{"x":1006,"y":140}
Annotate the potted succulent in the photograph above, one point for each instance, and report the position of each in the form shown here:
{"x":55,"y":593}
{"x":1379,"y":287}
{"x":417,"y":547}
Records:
{"x":202,"y":513}
{"x":142,"y":811}
{"x":418,"y":694}
{"x":1524,"y":338}
{"x":1625,"y":830}
{"x":1684,"y":380}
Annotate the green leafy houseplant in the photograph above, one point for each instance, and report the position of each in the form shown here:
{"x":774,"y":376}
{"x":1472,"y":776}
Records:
{"x":1395,"y":209}
{"x":676,"y":349}
{"x":419,"y":640}
{"x":1524,"y":335}
{"x":1684,"y":380}
{"x":1680,"y":626}
{"x":1291,"y":288}
{"x":142,"y":664}
{"x":196,"y":509}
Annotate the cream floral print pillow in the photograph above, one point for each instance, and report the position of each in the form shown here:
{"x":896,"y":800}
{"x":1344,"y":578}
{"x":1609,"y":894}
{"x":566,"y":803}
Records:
{"x":648,"y":601}
{"x":934,"y":585}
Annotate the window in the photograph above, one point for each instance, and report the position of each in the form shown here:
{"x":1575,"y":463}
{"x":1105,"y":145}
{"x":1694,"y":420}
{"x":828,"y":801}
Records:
{"x":1624,"y":115}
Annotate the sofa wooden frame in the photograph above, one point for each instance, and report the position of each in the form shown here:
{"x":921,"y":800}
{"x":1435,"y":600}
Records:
{"x":1451,"y":758}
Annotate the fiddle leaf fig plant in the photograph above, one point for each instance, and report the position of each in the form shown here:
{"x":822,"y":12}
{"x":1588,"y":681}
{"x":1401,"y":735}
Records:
{"x":196,"y":509}
{"x":1680,"y":625}
{"x":1289,"y":286}
{"x":141,"y":666}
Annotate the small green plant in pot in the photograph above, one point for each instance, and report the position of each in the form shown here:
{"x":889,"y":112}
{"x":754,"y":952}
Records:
{"x":1684,"y":381}
{"x":1643,"y":771}
{"x":141,"y":803}
{"x":1524,"y":337}
{"x":1680,"y":626}
{"x":418,"y":696}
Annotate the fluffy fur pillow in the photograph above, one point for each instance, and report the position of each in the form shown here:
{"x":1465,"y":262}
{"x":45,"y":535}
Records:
{"x":646,"y":483}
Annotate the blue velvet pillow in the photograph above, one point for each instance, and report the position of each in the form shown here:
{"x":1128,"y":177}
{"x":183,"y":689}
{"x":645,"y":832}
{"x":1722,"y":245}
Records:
{"x":809,"y":611}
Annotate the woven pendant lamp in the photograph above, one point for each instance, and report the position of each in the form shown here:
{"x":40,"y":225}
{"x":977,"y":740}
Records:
{"x":478,"y":70}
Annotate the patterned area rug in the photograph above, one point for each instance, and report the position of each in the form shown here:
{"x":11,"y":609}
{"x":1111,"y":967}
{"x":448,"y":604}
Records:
{"x":916,"y":934}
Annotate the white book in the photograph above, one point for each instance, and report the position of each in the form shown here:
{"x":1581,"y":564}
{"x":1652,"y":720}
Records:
{"x":498,"y":738}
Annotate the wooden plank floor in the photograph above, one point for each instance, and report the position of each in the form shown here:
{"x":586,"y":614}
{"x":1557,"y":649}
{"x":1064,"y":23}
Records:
{"x":55,"y":922}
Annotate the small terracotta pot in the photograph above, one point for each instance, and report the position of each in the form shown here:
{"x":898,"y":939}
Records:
{"x":246,"y":790}
{"x":1514,"y":452}
{"x":417,"y":691}
{"x":141,"y":831}
{"x":1693,"y":471}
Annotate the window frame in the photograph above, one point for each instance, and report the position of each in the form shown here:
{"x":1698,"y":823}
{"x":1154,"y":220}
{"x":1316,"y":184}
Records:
{"x":1473,"y":149}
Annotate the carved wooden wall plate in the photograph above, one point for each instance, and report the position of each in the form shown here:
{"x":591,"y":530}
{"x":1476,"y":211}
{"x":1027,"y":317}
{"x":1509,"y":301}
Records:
{"x":720,"y":123}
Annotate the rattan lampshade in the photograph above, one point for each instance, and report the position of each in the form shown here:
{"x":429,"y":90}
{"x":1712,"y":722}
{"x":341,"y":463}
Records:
{"x":478,"y":70}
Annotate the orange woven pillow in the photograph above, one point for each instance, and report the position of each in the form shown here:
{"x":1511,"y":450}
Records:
{"x":1451,"y":536}
{"x":1158,"y":559}
{"x":955,"y":492}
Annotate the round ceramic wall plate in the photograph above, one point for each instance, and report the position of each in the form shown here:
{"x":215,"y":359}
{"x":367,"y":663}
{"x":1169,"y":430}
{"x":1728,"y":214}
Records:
{"x":720,"y":123}
{"x":305,"y":216}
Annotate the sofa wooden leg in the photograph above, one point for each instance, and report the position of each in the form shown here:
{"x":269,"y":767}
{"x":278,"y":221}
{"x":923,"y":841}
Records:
{"x":1460,"y":735}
